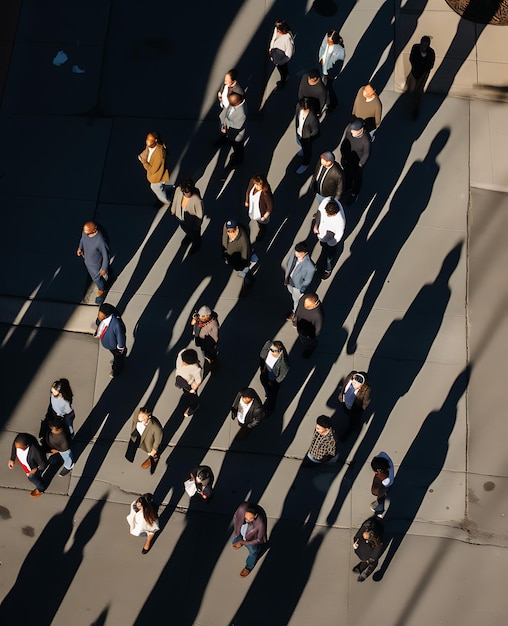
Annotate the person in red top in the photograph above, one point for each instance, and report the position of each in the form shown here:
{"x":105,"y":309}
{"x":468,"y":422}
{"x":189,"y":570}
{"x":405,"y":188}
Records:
{"x":32,"y":459}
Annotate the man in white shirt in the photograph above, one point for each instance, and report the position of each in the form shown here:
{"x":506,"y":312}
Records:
{"x":329,"y":226}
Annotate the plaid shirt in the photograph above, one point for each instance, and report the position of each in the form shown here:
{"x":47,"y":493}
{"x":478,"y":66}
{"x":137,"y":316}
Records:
{"x":323,"y":447}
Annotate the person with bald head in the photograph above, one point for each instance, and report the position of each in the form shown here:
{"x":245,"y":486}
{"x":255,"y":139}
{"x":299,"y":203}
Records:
{"x":367,"y":106}
{"x":95,"y":252}
{"x":233,"y":119}
{"x":309,"y":322}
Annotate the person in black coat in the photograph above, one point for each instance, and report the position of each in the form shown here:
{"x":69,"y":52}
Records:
{"x":248,"y":410}
{"x":32,"y":459}
{"x":328,"y":179}
{"x":307,"y":130}
{"x":273,"y":369}
{"x":368,"y":546}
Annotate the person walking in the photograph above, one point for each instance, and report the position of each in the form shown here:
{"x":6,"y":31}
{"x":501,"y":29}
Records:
{"x":188,"y":378}
{"x":153,"y":159}
{"x":309,"y":319}
{"x":60,"y":403}
{"x":331,"y":60}
{"x":259,"y":202}
{"x":202,"y":477}
{"x":329,"y":226}
{"x":249,"y":531}
{"x":229,"y":86}
{"x":367,"y":106}
{"x":94,"y":250}
{"x":300,"y":271}
{"x":58,"y":441}
{"x":323,"y":447}
{"x":383,"y":469}
{"x":111,"y":332}
{"x":355,"y":152}
{"x":205,"y":328}
{"x":143,"y":520}
{"x":368,"y":546}
{"x":354,"y":397}
{"x":307,"y":130}
{"x":273,"y":369}
{"x":146,"y":434}
{"x":29,"y":454}
{"x":281,"y":50}
{"x":248,"y":410}
{"x":328,"y":179}
{"x":187,"y":207}
{"x":233,"y":121}
{"x":313,"y":88}
{"x":422,"y":59}
{"x":237,"y":251}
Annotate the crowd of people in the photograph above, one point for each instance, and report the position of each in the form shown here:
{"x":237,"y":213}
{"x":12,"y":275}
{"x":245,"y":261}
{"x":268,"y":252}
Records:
{"x":334,"y":184}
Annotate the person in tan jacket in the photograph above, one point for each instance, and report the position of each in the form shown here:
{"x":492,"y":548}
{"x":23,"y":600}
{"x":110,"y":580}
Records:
{"x":153,"y":159}
{"x":367,"y":106}
{"x":146,"y":434}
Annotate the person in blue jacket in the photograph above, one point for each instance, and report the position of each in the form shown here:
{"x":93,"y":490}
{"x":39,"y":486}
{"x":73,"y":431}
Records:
{"x":111,"y":332}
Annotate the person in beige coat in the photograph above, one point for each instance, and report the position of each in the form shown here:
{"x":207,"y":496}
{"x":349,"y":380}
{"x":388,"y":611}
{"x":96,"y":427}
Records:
{"x":153,"y":159}
{"x":146,"y":434}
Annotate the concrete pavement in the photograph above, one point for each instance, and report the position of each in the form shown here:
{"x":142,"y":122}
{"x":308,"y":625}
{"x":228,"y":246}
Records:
{"x":417,"y":299}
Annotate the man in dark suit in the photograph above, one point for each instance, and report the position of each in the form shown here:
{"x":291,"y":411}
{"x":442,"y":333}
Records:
{"x":328,"y":178}
{"x":111,"y":332}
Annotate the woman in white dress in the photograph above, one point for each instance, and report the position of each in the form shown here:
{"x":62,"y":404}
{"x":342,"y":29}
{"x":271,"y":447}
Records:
{"x":143,"y":520}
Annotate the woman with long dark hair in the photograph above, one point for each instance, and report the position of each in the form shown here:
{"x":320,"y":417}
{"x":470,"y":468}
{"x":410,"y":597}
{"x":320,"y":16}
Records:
{"x":143,"y":520}
{"x":60,"y":402}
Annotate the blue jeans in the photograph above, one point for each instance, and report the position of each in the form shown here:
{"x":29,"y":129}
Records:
{"x":67,"y":459}
{"x":36,"y":480}
{"x":254,"y":551}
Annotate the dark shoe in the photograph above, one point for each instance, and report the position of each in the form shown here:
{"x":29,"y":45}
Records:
{"x":326,"y":275}
{"x":36,"y":493}
{"x":146,"y":464}
{"x":190,"y":412}
{"x":360,"y":579}
{"x":356,"y":569}
{"x":307,"y":353}
{"x":194,"y":248}
{"x":245,"y":572}
{"x":64,"y":471}
{"x":186,"y":241}
{"x":290,"y":316}
{"x":145,"y":551}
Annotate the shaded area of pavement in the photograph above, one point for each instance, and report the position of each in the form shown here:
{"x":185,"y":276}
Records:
{"x":406,"y":302}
